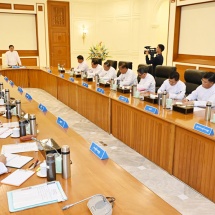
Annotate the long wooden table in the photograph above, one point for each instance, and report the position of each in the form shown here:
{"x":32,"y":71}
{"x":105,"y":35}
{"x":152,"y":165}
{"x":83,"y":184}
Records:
{"x":89,"y":174}
{"x":168,"y":138}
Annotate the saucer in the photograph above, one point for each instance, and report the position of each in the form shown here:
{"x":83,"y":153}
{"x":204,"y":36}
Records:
{"x":212,"y":121}
{"x":40,"y":175}
{"x":14,"y":136}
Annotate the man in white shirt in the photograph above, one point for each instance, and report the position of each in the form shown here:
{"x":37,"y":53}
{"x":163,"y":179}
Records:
{"x":3,"y":168}
{"x":147,"y":81}
{"x":96,"y":68}
{"x":203,"y":93}
{"x":82,"y":65}
{"x":127,"y":77}
{"x":12,"y":57}
{"x":173,"y":86}
{"x":108,"y":72}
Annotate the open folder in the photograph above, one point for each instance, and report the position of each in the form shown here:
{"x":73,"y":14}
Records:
{"x":35,"y":196}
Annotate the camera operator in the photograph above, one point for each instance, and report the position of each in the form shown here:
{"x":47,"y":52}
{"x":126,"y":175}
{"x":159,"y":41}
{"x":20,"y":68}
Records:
{"x":158,"y":59}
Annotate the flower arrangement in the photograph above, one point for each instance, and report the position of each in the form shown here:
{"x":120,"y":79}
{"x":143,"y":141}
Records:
{"x":98,"y":51}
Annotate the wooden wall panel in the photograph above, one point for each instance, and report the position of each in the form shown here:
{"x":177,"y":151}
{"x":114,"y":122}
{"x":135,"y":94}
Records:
{"x":29,"y":61}
{"x":72,"y":96}
{"x":63,"y":91}
{"x":5,"y":6}
{"x":207,"y":69}
{"x":148,"y":135}
{"x":23,"y":7}
{"x":194,"y":161}
{"x":181,"y":69}
{"x":94,"y":107}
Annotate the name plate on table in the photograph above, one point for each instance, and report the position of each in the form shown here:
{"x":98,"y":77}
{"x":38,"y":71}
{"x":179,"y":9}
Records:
{"x":100,"y":90}
{"x":27,"y":96}
{"x":15,"y":67}
{"x":85,"y":85}
{"x":98,"y":151}
{"x":11,"y":83}
{"x":49,"y":71}
{"x":123,"y":99}
{"x":71,"y":79}
{"x":204,"y":129}
{"x":20,"y":89}
{"x":6,"y":78}
{"x":62,"y":123}
{"x":61,"y":75}
{"x":151,"y":109}
{"x":42,"y":108}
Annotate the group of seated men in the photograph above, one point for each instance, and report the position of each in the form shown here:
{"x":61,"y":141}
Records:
{"x":174,"y":87}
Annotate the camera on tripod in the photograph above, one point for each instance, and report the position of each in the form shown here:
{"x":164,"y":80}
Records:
{"x":152,"y":51}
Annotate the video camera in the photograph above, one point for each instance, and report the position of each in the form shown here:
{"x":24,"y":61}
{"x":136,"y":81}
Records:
{"x":152,"y":51}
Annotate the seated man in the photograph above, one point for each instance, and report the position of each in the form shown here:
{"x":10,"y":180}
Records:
{"x":174,"y":87}
{"x":108,"y":72}
{"x":12,"y":57}
{"x":147,"y":81}
{"x":96,"y":68}
{"x":127,"y":77}
{"x":3,"y":168}
{"x":82,"y":65}
{"x":203,"y":93}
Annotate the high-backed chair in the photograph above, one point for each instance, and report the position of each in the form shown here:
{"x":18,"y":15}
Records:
{"x":113,"y":63}
{"x":150,"y":69}
{"x":120,"y":63}
{"x":192,"y":79}
{"x":162,"y":73}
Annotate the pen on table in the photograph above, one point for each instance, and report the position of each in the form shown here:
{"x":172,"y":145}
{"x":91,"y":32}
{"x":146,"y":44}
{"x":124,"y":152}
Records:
{"x":37,"y":163}
{"x":31,"y":166}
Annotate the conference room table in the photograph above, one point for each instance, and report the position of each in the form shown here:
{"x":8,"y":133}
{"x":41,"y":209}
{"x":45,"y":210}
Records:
{"x":89,"y":174}
{"x":167,"y":138}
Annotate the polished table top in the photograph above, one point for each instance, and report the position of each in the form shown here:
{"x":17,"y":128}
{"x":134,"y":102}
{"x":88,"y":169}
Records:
{"x":89,"y":174}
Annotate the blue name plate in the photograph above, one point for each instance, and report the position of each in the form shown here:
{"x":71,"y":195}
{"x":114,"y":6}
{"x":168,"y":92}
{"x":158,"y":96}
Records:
{"x":204,"y":129}
{"x":11,"y":83}
{"x":123,"y":99}
{"x":98,"y":151}
{"x":62,"y":123}
{"x":85,"y":85}
{"x":20,"y":89}
{"x":151,"y":109}
{"x":100,"y":90}
{"x":61,"y":75}
{"x":27,"y":96}
{"x":6,"y":78}
{"x":42,"y":108}
{"x":15,"y":67}
{"x":49,"y":71}
{"x":71,"y":79}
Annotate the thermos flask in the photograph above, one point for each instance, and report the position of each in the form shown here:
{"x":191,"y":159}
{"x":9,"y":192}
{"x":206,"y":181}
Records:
{"x":7,"y":96}
{"x":66,"y":170}
{"x":22,"y":127}
{"x":51,"y":169}
{"x":164,"y":99}
{"x":8,"y":111}
{"x":208,"y":111}
{"x":18,"y":107}
{"x":134,"y":89}
{"x":1,"y":86}
{"x":97,"y":79}
{"x":33,"y":126}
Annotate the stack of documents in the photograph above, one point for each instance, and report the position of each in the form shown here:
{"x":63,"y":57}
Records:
{"x":35,"y":196}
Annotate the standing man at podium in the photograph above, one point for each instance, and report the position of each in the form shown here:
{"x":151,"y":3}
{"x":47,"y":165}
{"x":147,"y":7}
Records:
{"x":12,"y":57}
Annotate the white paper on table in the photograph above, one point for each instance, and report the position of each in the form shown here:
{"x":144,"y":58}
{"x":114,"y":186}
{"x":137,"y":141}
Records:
{"x":6,"y":133}
{"x":2,"y":108}
{"x":10,"y":125}
{"x":19,"y":147}
{"x":16,"y":161}
{"x":198,"y":109}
